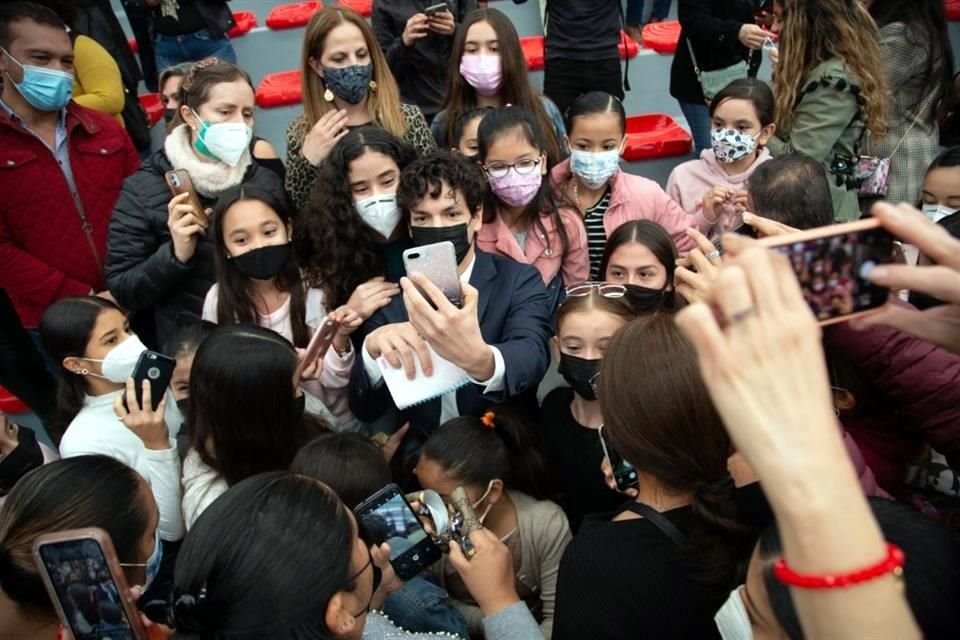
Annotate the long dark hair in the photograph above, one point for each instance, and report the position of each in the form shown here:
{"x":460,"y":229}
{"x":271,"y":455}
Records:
{"x":592,"y":103}
{"x":240,"y":414}
{"x":348,"y":463}
{"x":508,"y":452}
{"x":264,"y":561}
{"x":235,"y":292}
{"x":65,"y":330}
{"x":931,"y":574}
{"x":659,"y":416}
{"x":337,"y":250}
{"x":547,"y":202}
{"x":73,"y":493}
{"x":515,"y":86}
{"x":657,"y":240}
{"x":927,"y":30}
{"x":755,"y":91}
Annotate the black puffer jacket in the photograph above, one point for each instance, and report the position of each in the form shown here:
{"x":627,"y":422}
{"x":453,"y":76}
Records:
{"x":141,"y":270}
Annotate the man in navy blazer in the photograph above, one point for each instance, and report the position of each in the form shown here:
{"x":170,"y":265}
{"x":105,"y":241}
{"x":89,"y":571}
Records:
{"x":499,"y":336}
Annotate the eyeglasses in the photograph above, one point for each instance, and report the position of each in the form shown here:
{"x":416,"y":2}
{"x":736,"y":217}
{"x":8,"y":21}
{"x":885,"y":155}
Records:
{"x":605,"y":289}
{"x":523,"y":167}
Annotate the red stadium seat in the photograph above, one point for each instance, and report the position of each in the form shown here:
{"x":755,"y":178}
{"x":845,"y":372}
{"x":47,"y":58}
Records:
{"x":953,"y":10}
{"x":11,"y":404}
{"x":662,"y":37}
{"x":290,"y":16}
{"x":279,"y":89}
{"x":533,"y":52}
{"x":132,"y":43}
{"x":245,"y":21}
{"x":655,"y":135}
{"x":629,"y":47}
{"x":152,"y":105}
{"x":363,"y":7}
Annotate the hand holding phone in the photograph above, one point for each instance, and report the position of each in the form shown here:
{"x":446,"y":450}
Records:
{"x":180,"y":183}
{"x":387,"y":517}
{"x":624,"y":474}
{"x":317,"y":349}
{"x":438,"y":262}
{"x":148,"y":424}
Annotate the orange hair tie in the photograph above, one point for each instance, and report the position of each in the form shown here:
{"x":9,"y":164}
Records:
{"x":487,"y":420}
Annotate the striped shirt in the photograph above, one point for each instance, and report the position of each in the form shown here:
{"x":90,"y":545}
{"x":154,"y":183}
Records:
{"x":596,"y":234}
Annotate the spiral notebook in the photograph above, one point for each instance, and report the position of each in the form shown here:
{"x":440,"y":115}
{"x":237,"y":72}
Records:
{"x":406,"y":393}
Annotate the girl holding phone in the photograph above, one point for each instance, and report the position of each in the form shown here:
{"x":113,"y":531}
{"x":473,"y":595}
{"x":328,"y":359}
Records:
{"x":523,"y":216}
{"x":258,"y":282}
{"x":570,"y":417}
{"x":505,"y":485}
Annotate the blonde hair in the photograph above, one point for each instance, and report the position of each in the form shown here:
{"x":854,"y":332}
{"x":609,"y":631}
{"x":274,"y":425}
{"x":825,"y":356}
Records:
{"x":383,"y":102}
{"x":815,"y":31}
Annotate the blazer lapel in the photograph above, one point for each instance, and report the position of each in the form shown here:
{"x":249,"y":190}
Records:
{"x":484,"y":272}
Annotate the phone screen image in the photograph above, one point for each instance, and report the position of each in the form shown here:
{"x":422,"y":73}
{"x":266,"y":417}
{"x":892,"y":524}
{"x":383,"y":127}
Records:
{"x":833,"y":271}
{"x":87,"y":593}
{"x":394,"y":522}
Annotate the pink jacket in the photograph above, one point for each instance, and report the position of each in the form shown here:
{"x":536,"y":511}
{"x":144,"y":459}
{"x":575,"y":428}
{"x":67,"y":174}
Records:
{"x":541,"y":250}
{"x":688,"y":182}
{"x":636,"y":198}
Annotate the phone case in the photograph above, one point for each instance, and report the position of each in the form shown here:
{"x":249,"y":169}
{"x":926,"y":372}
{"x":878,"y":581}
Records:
{"x":158,"y":369}
{"x":438,"y":262}
{"x":102,"y":539}
{"x":179,"y":182}
{"x":624,"y":473}
{"x":319,"y":343}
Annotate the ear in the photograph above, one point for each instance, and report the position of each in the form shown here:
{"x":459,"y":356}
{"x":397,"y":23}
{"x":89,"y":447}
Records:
{"x":496,"y":492}
{"x":289,"y":232}
{"x":338,"y":620}
{"x":187,"y":114}
{"x":316,"y":66}
{"x":476,"y":221}
{"x":566,"y":141}
{"x":555,"y":348}
{"x":73,"y":364}
{"x":766,"y":133}
{"x":543,"y":164}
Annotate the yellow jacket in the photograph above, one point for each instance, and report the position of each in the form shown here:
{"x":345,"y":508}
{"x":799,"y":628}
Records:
{"x":96,"y":78}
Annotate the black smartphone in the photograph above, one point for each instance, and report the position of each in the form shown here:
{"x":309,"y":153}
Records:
{"x":624,"y":473}
{"x":833,"y":264}
{"x":157,"y":369}
{"x":386,"y":516}
{"x":85,"y":582}
{"x":437,"y":8}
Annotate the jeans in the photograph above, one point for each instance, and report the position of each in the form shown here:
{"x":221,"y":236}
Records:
{"x":565,"y":80}
{"x":192,"y":47}
{"x":698,"y":118}
{"x":635,"y":10}
{"x":422,"y":607}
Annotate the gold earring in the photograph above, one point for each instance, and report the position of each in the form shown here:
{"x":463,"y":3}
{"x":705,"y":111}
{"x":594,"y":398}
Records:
{"x":328,"y":95}
{"x":373,"y":86}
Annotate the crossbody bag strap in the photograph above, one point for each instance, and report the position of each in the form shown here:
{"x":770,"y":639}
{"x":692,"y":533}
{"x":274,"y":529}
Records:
{"x":658,"y":520}
{"x":916,"y":118}
{"x":693,"y":58}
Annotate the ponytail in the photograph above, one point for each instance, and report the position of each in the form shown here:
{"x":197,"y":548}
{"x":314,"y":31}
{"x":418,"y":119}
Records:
{"x":497,"y":445}
{"x":719,"y":543}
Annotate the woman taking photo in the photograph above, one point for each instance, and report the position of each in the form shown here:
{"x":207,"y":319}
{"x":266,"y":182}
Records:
{"x":351,"y":235}
{"x":259,"y":282}
{"x":159,"y":255}
{"x":606,"y":196}
{"x":641,"y":256}
{"x":346,"y":83}
{"x":919,"y":70}
{"x":488,"y":69}
{"x":245,"y":414}
{"x":830,"y":89}
{"x":97,"y":405}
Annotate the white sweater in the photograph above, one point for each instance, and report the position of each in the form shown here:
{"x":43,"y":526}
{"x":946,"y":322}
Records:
{"x":96,"y":430}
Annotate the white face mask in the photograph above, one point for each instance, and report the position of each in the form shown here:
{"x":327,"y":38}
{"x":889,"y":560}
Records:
{"x":938,"y":212}
{"x":480,"y":501}
{"x":381,"y":213}
{"x":732,"y":619}
{"x":223,"y":141}
{"x":120,"y":361}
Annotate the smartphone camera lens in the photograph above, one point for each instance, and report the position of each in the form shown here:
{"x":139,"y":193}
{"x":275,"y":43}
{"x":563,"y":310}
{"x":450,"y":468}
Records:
{"x":153,"y":373}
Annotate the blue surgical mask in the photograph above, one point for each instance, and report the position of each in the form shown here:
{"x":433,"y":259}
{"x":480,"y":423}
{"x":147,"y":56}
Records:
{"x":45,"y":89}
{"x":594,"y":169}
{"x":153,"y":562}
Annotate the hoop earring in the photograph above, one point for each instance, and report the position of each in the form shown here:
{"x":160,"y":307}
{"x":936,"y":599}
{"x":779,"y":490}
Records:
{"x":328,"y":95}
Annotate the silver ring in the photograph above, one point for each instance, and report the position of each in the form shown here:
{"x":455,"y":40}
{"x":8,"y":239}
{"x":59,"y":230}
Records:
{"x":740,"y":316}
{"x":713,"y":254}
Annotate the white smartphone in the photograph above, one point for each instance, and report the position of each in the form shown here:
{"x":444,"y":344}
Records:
{"x":438,"y":262}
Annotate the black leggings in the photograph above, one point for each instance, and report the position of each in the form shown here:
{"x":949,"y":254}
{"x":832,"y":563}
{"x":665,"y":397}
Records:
{"x":22,"y":370}
{"x":565,"y":80}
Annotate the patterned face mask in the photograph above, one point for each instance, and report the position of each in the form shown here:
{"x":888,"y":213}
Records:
{"x":730,"y":145}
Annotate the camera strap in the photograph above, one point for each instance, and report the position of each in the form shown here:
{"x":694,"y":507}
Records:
{"x":658,"y":520}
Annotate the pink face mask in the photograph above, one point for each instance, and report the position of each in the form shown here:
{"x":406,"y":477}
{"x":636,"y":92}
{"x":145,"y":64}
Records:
{"x":483,"y":73}
{"x":515,"y":189}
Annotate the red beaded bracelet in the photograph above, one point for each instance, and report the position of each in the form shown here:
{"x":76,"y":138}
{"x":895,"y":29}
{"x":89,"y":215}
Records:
{"x":893,"y":563}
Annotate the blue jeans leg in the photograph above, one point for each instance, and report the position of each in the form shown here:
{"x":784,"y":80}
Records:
{"x":192,"y":47}
{"x":698,"y":119}
{"x":660,"y":8}
{"x":422,"y":606}
{"x":634,"y":12}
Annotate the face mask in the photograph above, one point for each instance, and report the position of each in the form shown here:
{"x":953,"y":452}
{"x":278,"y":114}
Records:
{"x":483,"y":73}
{"x":594,"y":169}
{"x":350,"y":84}
{"x":44,"y":89}
{"x":169,"y":115}
{"x":182,"y":404}
{"x":579,"y":373}
{"x":480,"y":501}
{"x":223,"y":141}
{"x":153,"y":562}
{"x":25,"y":458}
{"x":119,"y":363}
{"x":457,"y":234}
{"x":515,"y":189}
{"x":263,"y":263}
{"x":732,"y":619}
{"x":381,"y":213}
{"x":730,"y":145}
{"x":299,"y":407}
{"x":937,"y":212}
{"x":644,"y":300}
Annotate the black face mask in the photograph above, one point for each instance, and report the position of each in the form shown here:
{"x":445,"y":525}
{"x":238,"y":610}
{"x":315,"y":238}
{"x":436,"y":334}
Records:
{"x":183,"y":404}
{"x":579,"y":373}
{"x":457,"y":234}
{"x":169,"y":115}
{"x":25,"y":458}
{"x":644,"y":301}
{"x":263,"y":263}
{"x":299,"y":407}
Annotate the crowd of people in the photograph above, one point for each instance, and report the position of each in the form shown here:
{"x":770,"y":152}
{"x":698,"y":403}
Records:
{"x":654,"y":424}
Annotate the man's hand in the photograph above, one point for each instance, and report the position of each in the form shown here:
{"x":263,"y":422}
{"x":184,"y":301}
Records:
{"x":443,"y":23}
{"x":453,"y":333}
{"x":402,"y":346}
{"x":416,"y":28}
